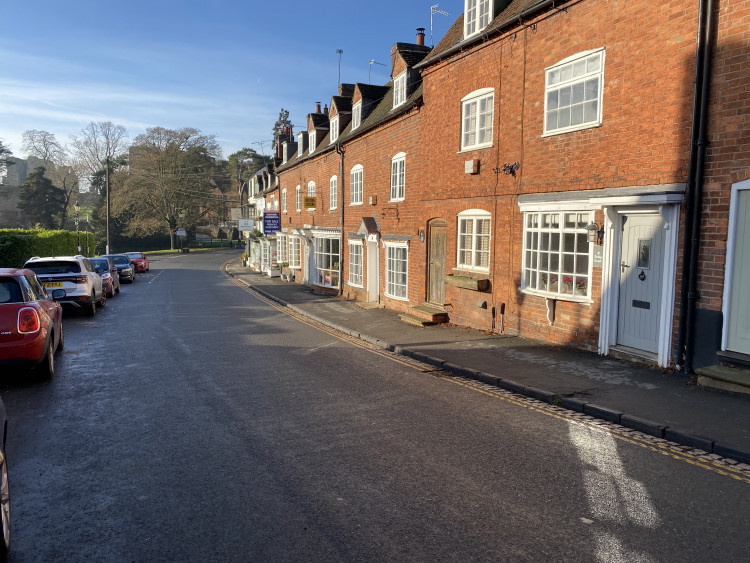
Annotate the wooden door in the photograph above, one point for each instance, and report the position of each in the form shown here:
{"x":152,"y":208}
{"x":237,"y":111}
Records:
{"x":437,"y":248}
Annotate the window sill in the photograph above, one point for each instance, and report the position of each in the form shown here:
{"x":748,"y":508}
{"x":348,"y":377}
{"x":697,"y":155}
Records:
{"x":355,"y":204}
{"x":571,"y":129}
{"x":397,"y":298}
{"x":476,"y":148}
{"x":397,"y":200}
{"x":558,"y":297}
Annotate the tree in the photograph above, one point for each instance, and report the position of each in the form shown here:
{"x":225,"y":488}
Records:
{"x":169,"y":180}
{"x":281,"y":123}
{"x":242,"y":165}
{"x":60,"y":168}
{"x":98,"y":143}
{"x":5,"y":154}
{"x":41,"y":200}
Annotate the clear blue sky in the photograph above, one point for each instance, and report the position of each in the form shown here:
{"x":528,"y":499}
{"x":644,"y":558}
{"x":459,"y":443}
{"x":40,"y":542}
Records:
{"x":225,"y":67}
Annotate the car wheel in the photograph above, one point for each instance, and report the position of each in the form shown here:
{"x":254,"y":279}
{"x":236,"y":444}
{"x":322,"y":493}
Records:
{"x":103,"y":300}
{"x":91,"y":310}
{"x":4,"y":508}
{"x":47,"y":368}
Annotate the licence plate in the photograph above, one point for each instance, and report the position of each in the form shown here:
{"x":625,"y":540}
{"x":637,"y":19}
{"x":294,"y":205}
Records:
{"x":48,"y":285}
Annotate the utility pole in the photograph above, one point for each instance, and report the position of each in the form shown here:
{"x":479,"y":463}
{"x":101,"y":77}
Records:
{"x":106,"y":182}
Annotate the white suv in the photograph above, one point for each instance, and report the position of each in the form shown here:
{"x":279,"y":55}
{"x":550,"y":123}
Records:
{"x":74,"y":274}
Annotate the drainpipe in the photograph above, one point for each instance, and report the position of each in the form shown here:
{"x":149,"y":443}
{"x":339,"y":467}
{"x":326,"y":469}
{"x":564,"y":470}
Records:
{"x":694,"y":197}
{"x":340,"y":196}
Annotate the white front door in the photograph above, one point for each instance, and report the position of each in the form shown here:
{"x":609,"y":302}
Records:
{"x":641,"y":267}
{"x":373,"y":272}
{"x":738,"y":325}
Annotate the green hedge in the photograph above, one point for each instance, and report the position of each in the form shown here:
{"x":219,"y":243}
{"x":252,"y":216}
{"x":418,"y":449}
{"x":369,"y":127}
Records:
{"x":18,"y":245}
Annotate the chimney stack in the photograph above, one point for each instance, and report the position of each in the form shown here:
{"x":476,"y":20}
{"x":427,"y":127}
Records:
{"x":325,"y":109}
{"x":420,"y":36}
{"x":317,"y":107}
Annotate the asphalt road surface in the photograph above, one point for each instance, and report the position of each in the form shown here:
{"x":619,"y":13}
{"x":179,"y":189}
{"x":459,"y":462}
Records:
{"x":190,"y":420}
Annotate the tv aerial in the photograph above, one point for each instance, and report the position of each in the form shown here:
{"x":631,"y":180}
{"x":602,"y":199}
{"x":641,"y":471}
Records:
{"x":435,"y":10}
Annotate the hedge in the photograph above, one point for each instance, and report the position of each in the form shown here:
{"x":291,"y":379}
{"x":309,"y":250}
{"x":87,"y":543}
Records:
{"x":18,"y":245}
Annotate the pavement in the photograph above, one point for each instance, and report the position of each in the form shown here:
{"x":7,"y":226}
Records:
{"x":662,"y":404}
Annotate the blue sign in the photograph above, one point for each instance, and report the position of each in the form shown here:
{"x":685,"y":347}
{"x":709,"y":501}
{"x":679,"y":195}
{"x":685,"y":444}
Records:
{"x":271,"y":222}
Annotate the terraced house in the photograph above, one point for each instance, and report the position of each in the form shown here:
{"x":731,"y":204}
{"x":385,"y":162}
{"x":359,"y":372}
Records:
{"x":575,"y":172}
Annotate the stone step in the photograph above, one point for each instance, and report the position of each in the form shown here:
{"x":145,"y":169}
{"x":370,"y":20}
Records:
{"x":724,"y":377}
{"x":435,"y":315}
{"x":412,"y":320}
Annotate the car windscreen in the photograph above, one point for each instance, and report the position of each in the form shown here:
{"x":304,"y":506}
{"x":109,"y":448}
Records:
{"x":42,"y":268}
{"x":120,"y":260}
{"x":99,"y":264}
{"x":134,"y":254}
{"x":10,"y":291}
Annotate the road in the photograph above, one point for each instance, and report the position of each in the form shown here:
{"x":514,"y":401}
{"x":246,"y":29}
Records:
{"x":189,"y":420}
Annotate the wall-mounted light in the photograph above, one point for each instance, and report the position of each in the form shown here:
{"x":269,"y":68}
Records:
{"x":595,"y":234}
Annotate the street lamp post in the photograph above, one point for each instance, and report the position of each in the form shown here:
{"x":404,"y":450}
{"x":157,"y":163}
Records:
{"x":87,"y":234}
{"x":78,"y":219}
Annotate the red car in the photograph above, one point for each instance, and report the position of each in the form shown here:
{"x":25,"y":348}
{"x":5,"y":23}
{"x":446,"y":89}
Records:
{"x":139,"y":259}
{"x":31,"y":329}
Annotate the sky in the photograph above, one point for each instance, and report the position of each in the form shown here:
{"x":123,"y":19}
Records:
{"x":225,"y":67}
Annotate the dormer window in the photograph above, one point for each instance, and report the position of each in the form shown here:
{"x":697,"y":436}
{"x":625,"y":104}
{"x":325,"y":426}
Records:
{"x":334,"y":128}
{"x":313,"y":140}
{"x":476,"y":16}
{"x":300,"y":144}
{"x":399,"y":89}
{"x":356,"y":115}
{"x":286,"y":152}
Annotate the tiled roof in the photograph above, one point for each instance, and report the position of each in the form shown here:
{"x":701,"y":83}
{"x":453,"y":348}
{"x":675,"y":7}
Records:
{"x":342,"y":103}
{"x":411,"y":53}
{"x":320,"y":120}
{"x":455,"y":35}
{"x":346,"y":90}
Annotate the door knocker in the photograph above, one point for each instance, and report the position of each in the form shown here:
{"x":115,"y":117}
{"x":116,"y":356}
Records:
{"x":642,"y":276}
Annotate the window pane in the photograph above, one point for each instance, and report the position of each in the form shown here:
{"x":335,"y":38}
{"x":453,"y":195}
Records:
{"x":576,"y":114}
{"x":582,"y":243}
{"x":592,"y":89}
{"x":563,"y":118}
{"x":582,"y":264}
{"x":577,"y":93}
{"x":552,"y":100}
{"x":555,"y":241}
{"x":591,"y":111}
{"x":568,"y":266}
{"x":569,"y":244}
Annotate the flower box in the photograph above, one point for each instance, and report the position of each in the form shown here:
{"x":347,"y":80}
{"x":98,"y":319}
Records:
{"x":466,"y":282}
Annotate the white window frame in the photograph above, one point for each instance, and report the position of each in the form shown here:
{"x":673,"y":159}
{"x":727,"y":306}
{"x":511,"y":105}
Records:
{"x":312,"y":140}
{"x":469,"y":252}
{"x":299,"y":197}
{"x":283,"y":201}
{"x":295,"y":252}
{"x":356,"y":185}
{"x":557,"y":259}
{"x":356,"y":277}
{"x":334,"y":128}
{"x":570,"y":93}
{"x":398,"y":177}
{"x":327,"y":260}
{"x":300,"y":144}
{"x":476,"y":121}
{"x":283,"y":250}
{"x":399,"y":89}
{"x":477,"y":16}
{"x":356,"y":115}
{"x":396,"y":288}
{"x":286,"y":153}
{"x":333,"y":192}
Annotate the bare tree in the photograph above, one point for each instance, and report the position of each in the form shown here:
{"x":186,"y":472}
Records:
{"x":44,"y":146}
{"x":98,"y":143}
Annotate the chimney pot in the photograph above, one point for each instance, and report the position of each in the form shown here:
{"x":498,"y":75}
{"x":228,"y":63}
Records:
{"x":325,"y":109}
{"x":420,"y":36}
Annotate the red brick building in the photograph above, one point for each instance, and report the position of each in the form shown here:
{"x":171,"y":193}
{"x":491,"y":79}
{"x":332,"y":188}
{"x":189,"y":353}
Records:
{"x":549,"y":169}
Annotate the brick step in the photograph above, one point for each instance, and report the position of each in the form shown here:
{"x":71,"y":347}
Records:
{"x":431,"y":313}
{"x":725,"y":377}
{"x":415,"y":321}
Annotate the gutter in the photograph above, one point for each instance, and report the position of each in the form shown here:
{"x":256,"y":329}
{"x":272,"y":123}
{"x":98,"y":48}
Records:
{"x":694,"y":198}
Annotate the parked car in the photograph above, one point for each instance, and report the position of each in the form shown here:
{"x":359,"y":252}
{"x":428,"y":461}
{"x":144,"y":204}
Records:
{"x":140,"y":261}
{"x":125,"y":267}
{"x":4,"y":490}
{"x":108,"y":271}
{"x":75,"y":274}
{"x":31,"y":329}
